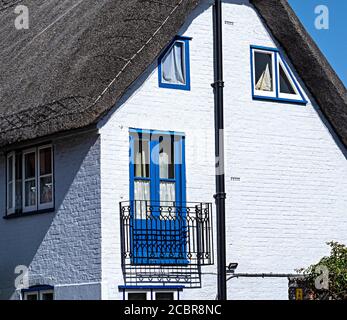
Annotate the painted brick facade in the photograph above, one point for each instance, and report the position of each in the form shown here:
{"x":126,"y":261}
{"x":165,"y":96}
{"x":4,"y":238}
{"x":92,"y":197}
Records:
{"x":61,"y":248}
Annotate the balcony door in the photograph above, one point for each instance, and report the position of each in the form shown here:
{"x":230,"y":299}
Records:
{"x":157,"y":194}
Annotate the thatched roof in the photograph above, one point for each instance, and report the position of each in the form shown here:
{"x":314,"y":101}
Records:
{"x":79,"y":56}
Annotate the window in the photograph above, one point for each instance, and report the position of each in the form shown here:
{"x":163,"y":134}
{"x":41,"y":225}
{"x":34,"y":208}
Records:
{"x":151,"y":293}
{"x":174,"y":67}
{"x":137,"y":295}
{"x":164,"y":296}
{"x":272,"y":78}
{"x":157,"y":190}
{"x":38,"y":293}
{"x":30,"y":180}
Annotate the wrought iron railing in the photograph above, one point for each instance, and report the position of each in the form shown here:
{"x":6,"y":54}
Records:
{"x":166,"y":233}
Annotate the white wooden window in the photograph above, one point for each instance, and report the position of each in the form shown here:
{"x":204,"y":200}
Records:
{"x":151,"y":294}
{"x":264,"y":73}
{"x":45,"y":177}
{"x":30,"y":180}
{"x":11,"y":182}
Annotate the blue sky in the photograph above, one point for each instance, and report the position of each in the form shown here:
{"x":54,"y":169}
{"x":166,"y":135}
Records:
{"x":332,"y":42}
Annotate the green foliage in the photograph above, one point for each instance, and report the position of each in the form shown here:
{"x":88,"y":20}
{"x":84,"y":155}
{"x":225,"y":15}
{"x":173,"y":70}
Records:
{"x":336,"y":265}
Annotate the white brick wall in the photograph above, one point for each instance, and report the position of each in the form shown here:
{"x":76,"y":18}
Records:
{"x":292,"y":193}
{"x":61,"y":248}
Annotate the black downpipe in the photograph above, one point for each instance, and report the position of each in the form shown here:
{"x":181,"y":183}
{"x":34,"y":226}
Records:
{"x":220,"y":195}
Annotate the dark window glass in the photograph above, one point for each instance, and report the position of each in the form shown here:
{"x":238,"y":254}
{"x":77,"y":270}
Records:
{"x":47,"y":296}
{"x":285,"y":85}
{"x":45,"y":161}
{"x":164,"y":296}
{"x":137,"y":296}
{"x":29,"y":165}
{"x":31,"y":296}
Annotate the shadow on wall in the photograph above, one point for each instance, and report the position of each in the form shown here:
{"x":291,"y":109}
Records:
{"x":39,"y":241}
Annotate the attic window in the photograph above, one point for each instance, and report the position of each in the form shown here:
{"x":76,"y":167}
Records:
{"x":272,"y":78}
{"x":173,"y":65}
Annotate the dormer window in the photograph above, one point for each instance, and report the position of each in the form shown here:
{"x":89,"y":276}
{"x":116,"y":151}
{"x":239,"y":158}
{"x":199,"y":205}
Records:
{"x":272,"y":78}
{"x":173,"y":65}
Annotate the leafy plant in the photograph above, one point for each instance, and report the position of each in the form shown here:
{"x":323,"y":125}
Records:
{"x":328,"y":278}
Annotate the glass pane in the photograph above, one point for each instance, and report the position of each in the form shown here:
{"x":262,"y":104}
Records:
{"x":10,"y":195}
{"x":18,"y":194}
{"x":167,"y":199}
{"x":142,"y":192}
{"x":285,"y":85}
{"x":46,"y":187}
{"x":31,"y":296}
{"x":263,"y":71}
{"x":141,"y":158}
{"x":30,"y":193}
{"x":10,"y":168}
{"x":166,"y":158}
{"x":164,"y":296}
{"x":18,"y":182}
{"x":47,"y":296}
{"x":173,"y":70}
{"x":137,"y":296}
{"x":45,"y":161}
{"x":29,"y":163}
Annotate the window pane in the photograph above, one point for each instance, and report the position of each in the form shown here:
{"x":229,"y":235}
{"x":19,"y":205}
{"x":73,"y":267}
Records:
{"x":10,"y":195}
{"x":29,"y":163}
{"x":46,"y":195}
{"x":164,"y":296}
{"x":142,"y":192}
{"x":45,"y":161}
{"x":167,"y":199}
{"x":285,"y":85}
{"x":30,"y":193}
{"x":137,"y":296}
{"x":18,"y":182}
{"x":47,"y":296}
{"x":166,"y":158}
{"x":263,"y":71}
{"x":173,"y":70}
{"x":141,"y":158}
{"x":31,"y":296}
{"x":10,"y":168}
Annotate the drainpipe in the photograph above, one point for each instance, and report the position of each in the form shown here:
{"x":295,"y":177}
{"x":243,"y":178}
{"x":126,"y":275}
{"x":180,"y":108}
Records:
{"x":220,"y":195}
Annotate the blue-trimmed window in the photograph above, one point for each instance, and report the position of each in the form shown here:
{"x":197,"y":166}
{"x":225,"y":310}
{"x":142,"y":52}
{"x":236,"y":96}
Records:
{"x":272,"y":78}
{"x":157,"y":194}
{"x":174,"y":65}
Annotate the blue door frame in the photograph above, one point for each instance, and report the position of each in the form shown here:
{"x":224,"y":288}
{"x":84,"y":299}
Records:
{"x":156,"y":240}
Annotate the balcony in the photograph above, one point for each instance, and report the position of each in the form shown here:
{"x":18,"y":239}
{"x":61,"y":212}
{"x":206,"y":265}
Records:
{"x":165,"y":242}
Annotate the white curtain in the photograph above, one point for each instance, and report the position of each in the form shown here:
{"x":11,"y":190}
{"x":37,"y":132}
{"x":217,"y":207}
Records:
{"x":140,"y":164}
{"x":164,"y":165}
{"x":265,"y":81}
{"x":173,"y":65}
{"x":167,"y":197}
{"x":142,"y":192}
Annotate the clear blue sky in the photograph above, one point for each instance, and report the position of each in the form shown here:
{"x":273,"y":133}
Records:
{"x":332,"y":42}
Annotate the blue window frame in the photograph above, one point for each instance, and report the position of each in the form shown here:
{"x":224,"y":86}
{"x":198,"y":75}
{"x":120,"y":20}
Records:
{"x":157,"y":197}
{"x":174,"y":65}
{"x":272,"y":78}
